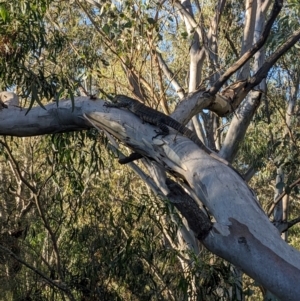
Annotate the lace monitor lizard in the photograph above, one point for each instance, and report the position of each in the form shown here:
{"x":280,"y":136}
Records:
{"x":162,"y":121}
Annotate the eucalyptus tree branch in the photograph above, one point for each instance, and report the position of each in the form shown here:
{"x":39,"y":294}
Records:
{"x":94,"y":3}
{"x":293,"y":222}
{"x":233,"y":48}
{"x":197,"y":54}
{"x":210,"y":47}
{"x":163,"y":99}
{"x":26,"y":209}
{"x":212,"y":43}
{"x":170,"y":75}
{"x":106,"y":41}
{"x":272,"y":59}
{"x":279,"y":198}
{"x":60,"y":286}
{"x":249,"y":27}
{"x":247,"y":55}
{"x":52,"y":235}
{"x":134,"y":81}
{"x":154,"y":269}
{"x":16,"y":168}
{"x":190,"y":19}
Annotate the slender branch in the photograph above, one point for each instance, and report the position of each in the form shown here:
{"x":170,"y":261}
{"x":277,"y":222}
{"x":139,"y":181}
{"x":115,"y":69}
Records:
{"x":272,"y":59}
{"x":170,"y":75}
{"x":51,"y":233}
{"x":163,"y":99}
{"x":247,"y":55}
{"x":219,"y":11}
{"x":278,"y":199}
{"x":16,"y":167}
{"x":94,"y":3}
{"x":25,"y":210}
{"x":293,"y":222}
{"x":284,"y":226}
{"x":233,"y":48}
{"x":190,"y":19}
{"x":212,"y":42}
{"x":50,"y":281}
{"x":106,"y":41}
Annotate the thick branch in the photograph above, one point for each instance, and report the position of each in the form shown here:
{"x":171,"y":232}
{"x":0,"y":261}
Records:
{"x":53,"y":119}
{"x":238,"y":216}
{"x":231,"y":97}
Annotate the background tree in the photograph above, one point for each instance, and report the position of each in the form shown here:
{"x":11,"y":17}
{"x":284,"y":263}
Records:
{"x":82,"y":226}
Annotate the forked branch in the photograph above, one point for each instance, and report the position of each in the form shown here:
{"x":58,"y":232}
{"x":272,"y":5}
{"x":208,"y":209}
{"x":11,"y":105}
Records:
{"x":272,"y":59}
{"x":247,"y":55}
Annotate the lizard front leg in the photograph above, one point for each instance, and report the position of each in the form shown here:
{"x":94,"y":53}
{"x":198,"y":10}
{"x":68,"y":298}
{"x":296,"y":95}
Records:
{"x":164,"y":130}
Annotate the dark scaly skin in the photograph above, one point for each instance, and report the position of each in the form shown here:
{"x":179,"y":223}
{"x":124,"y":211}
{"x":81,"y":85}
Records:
{"x":162,"y":121}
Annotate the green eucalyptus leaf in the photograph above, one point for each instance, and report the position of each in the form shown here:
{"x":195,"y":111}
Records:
{"x":3,"y":13}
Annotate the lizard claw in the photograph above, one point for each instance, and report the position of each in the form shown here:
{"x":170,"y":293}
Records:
{"x":159,"y":133}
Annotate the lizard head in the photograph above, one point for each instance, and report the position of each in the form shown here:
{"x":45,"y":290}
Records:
{"x":124,"y":99}
{"x":119,"y":98}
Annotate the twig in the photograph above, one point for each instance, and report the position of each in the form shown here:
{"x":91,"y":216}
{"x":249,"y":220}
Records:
{"x":16,"y":167}
{"x":50,"y":281}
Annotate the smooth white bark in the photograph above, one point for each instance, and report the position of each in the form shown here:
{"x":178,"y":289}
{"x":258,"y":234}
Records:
{"x":242,"y":233}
